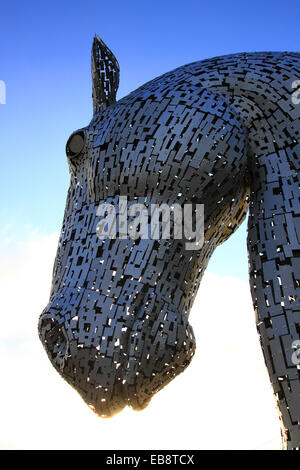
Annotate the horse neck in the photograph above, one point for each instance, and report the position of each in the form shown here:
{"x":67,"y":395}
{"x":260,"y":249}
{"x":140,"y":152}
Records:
{"x":258,"y":87}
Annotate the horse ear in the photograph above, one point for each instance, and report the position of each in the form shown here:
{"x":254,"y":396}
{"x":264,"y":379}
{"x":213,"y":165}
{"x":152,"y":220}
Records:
{"x":105,"y":75}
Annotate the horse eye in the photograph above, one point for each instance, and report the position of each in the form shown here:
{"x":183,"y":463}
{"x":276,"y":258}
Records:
{"x":75,"y":144}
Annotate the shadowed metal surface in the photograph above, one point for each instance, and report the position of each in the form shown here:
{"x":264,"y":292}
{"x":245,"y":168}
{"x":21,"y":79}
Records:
{"x":222,"y":132}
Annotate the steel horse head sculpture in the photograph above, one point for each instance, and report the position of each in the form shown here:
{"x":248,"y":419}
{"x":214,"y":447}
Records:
{"x":223,"y":132}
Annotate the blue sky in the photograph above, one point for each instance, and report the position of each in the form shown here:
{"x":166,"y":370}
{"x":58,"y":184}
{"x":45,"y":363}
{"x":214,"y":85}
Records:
{"x":45,"y":63}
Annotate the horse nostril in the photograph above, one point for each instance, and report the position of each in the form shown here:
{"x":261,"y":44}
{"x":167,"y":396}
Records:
{"x":55,"y":340}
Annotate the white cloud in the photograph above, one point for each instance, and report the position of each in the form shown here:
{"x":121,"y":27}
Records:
{"x":222,"y":401}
